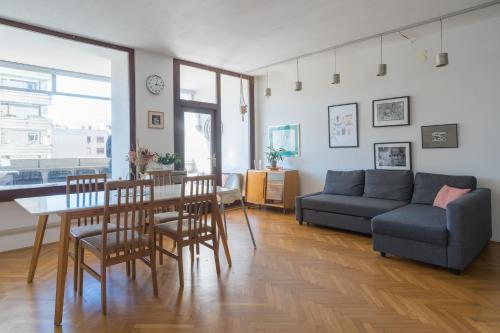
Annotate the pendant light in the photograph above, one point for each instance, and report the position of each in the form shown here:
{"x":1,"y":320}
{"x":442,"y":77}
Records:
{"x":268,"y":90}
{"x":441,"y":57}
{"x":382,"y":68}
{"x":298,"y":83}
{"x":336,"y":76}
{"x":243,"y":106}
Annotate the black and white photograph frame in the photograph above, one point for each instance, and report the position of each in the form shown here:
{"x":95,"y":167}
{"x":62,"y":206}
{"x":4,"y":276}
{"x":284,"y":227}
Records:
{"x":343,"y":126}
{"x":155,"y":119}
{"x":392,"y":155}
{"x":440,"y":136}
{"x":391,"y":112}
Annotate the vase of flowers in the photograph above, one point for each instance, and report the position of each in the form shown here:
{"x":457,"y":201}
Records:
{"x":141,"y":158}
{"x":167,"y":160}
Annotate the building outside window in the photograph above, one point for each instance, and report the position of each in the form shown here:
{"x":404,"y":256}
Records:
{"x":33,"y":137}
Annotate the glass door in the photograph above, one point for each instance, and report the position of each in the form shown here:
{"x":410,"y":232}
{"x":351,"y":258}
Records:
{"x":199,"y":141}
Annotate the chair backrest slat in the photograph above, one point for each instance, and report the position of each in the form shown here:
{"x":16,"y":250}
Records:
{"x":128,"y":204}
{"x":161,"y":177}
{"x":197,"y":194}
{"x":86,"y":188}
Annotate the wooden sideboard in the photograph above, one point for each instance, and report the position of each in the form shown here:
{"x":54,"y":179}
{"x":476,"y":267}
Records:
{"x":272,"y":188}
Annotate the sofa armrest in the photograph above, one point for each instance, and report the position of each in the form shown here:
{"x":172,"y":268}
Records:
{"x":468,"y":221}
{"x":298,"y":205}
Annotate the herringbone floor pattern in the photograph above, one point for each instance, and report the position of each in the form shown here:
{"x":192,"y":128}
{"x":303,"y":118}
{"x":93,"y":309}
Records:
{"x":300,"y":279}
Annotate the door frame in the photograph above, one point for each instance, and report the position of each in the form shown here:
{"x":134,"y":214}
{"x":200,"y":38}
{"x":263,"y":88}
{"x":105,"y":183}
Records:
{"x":180,"y":104}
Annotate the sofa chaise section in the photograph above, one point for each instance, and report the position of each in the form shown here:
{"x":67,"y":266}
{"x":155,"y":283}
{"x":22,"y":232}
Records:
{"x":450,"y":237}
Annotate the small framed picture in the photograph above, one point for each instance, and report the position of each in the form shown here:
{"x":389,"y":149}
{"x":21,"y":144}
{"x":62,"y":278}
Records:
{"x":155,"y":119}
{"x":343,"y":126}
{"x":391,"y":111}
{"x":440,"y":136}
{"x":392,"y":155}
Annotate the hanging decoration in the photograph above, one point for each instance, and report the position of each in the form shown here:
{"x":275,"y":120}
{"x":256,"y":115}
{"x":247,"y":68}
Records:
{"x":268,"y":90}
{"x":441,"y":57}
{"x":382,"y":68}
{"x":336,"y":76}
{"x":298,"y":83}
{"x":243,"y":105}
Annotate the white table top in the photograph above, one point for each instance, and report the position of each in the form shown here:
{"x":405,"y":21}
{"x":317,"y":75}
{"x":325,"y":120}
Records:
{"x":61,"y":203}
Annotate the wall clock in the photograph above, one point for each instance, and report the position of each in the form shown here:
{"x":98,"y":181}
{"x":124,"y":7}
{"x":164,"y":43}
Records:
{"x":155,"y":84}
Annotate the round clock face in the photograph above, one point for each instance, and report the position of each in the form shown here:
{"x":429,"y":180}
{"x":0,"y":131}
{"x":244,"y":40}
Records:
{"x":155,"y":84}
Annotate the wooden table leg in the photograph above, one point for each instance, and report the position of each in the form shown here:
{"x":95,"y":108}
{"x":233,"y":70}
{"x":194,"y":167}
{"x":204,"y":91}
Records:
{"x":62,"y":267}
{"x":220,"y":225}
{"x":40,"y":231}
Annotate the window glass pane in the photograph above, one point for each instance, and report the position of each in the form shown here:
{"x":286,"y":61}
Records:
{"x":197,"y":85}
{"x":80,"y":86}
{"x":57,"y":117}
{"x":235,"y":142}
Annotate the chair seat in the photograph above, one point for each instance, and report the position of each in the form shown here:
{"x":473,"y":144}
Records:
{"x":168,"y":216}
{"x":95,"y":242}
{"x":89,"y":230}
{"x":171,"y":228}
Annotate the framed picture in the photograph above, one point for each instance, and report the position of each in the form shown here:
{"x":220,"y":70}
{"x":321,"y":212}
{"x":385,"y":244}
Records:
{"x":440,"y":136}
{"x":286,"y":137}
{"x":392,"y":155}
{"x":391,"y":111}
{"x":343,"y":125}
{"x":155,"y":119}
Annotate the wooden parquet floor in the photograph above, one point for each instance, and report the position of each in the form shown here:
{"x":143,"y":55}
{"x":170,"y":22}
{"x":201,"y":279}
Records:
{"x":300,"y":279}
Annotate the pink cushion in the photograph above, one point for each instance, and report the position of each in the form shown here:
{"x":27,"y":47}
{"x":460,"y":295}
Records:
{"x":448,"y":194}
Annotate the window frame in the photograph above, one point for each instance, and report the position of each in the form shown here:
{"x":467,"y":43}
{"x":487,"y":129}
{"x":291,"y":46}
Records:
{"x":23,"y":192}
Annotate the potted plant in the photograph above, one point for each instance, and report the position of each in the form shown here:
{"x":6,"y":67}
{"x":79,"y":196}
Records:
{"x":168,"y":160}
{"x":273,"y":156}
{"x":141,"y":158}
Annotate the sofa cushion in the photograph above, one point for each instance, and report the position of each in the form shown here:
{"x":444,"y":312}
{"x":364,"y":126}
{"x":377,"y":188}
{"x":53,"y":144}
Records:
{"x":417,"y":222}
{"x":345,"y":182}
{"x":389,"y":184}
{"x":427,"y":186}
{"x":349,"y":205}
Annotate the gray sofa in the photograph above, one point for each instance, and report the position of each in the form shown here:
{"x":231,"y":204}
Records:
{"x":397,"y":210}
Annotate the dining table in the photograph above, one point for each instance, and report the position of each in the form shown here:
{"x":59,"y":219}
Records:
{"x":77,"y":205}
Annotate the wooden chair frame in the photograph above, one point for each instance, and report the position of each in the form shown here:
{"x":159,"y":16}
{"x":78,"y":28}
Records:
{"x":86,"y":188}
{"x":128,"y":242}
{"x":198,"y":194}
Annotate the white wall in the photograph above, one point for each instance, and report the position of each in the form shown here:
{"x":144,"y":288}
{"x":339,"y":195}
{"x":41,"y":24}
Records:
{"x":160,"y":140}
{"x":466,"y":92}
{"x":14,"y":217}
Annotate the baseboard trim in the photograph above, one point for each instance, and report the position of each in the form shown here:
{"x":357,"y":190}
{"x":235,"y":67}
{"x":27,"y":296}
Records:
{"x":22,"y":230}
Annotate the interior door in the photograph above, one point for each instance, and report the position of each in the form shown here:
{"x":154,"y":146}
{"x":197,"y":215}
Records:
{"x":200,"y":157}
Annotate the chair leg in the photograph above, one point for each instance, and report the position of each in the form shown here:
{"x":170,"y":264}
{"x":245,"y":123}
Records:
{"x":76,"y":263}
{"x":248,"y":223}
{"x":128,"y":268}
{"x":198,"y":249}
{"x":160,"y":241}
{"x":152,"y":259}
{"x":225,"y":220}
{"x":216,"y":254}
{"x":133,"y":269}
{"x":181,"y":265}
{"x":80,"y":271}
{"x":191,"y":252}
{"x":103,"y":288}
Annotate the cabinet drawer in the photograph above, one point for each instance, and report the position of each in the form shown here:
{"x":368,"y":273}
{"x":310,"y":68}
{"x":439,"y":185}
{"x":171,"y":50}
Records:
{"x":274,"y":190}
{"x":276,"y":176}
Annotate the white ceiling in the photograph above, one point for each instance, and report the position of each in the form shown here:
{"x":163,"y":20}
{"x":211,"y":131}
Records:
{"x":232,"y":34}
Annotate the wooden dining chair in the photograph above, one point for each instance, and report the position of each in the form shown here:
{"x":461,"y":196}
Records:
{"x":86,"y":188}
{"x":195,"y":225}
{"x":161,"y":177}
{"x":126,"y":204}
{"x":163,"y":214}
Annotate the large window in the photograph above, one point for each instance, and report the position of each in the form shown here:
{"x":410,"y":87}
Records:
{"x":59,"y":103}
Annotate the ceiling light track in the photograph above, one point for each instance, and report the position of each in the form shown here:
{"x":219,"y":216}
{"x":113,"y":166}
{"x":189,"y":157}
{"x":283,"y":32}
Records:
{"x":377,"y":35}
